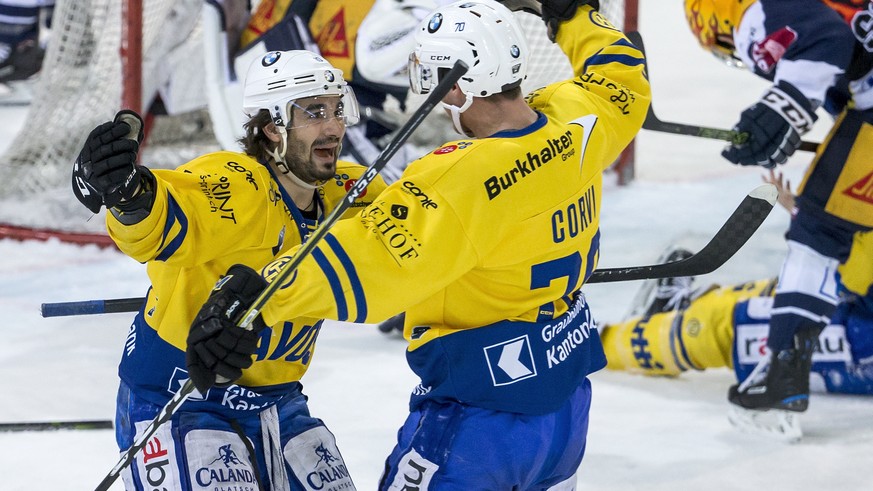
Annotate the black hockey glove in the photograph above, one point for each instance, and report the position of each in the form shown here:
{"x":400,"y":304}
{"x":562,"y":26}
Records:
{"x":529,"y":6}
{"x":105,"y":173}
{"x":772,"y":127}
{"x":555,"y":11}
{"x":216,"y":345}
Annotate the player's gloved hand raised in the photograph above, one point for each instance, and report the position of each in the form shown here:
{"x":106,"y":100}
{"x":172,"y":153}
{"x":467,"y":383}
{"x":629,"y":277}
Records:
{"x":555,"y":11}
{"x":105,"y":173}
{"x":771,"y":128}
{"x":217,"y":347}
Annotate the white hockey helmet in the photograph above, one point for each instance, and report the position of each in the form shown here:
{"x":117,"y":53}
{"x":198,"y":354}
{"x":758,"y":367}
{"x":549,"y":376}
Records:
{"x":484,"y":34}
{"x":279,"y":78}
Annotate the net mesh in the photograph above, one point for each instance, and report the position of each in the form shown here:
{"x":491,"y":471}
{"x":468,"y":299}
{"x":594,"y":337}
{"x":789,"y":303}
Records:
{"x":80,"y":87}
{"x":548,"y":63}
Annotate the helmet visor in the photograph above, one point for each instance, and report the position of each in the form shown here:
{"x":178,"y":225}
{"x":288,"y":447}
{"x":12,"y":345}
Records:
{"x":308,"y":111}
{"x":422,"y":78}
{"x":723,"y":48}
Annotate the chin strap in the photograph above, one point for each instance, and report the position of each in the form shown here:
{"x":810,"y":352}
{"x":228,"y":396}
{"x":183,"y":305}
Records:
{"x":279,"y":158}
{"x":456,"y":111}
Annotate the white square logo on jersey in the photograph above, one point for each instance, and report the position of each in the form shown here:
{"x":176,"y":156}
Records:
{"x":510,"y":361}
{"x":178,"y":380}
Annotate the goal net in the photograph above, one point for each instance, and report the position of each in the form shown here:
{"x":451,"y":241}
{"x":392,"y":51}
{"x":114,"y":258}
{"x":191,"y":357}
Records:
{"x":80,"y":86}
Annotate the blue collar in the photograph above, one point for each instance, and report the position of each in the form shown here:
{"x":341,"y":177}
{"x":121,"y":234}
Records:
{"x":539,"y":123}
{"x":302,"y":223}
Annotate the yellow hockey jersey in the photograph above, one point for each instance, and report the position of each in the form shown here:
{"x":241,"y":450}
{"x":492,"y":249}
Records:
{"x":856,"y":274}
{"x":220,"y":209}
{"x":485,"y":243}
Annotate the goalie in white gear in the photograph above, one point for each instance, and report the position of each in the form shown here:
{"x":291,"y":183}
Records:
{"x":189,"y":225}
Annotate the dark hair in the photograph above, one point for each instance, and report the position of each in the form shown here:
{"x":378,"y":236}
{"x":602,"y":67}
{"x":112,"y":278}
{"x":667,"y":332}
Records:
{"x":508,"y":95}
{"x":255,"y":142}
{"x":508,"y":92}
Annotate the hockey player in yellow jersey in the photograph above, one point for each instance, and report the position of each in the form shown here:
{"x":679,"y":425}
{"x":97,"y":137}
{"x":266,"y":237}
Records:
{"x":726,"y":326}
{"x":485,"y":243}
{"x":189,"y":225}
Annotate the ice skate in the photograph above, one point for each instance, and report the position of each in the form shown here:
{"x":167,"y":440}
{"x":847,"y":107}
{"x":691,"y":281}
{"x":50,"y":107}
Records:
{"x":663,"y":294}
{"x":776,"y":424}
{"x":781,"y":381}
{"x":21,"y":62}
{"x":779,"y":384}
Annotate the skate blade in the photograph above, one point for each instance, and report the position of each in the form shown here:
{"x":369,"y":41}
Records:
{"x":775,"y":424}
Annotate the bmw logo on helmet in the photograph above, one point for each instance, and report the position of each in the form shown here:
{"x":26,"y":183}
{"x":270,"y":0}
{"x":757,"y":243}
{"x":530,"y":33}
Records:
{"x":435,"y":22}
{"x":328,"y":75}
{"x":514,"y":51}
{"x":270,"y":58}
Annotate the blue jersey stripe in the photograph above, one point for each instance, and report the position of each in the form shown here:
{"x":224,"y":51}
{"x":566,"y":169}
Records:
{"x":342,"y":309}
{"x":354,"y":280}
{"x":174,"y":214}
{"x":626,"y":43}
{"x":677,"y":346}
{"x":604,"y":59}
{"x":593,"y":248}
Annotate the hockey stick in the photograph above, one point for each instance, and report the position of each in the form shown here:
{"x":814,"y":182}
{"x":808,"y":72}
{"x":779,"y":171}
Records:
{"x":88,"y":307}
{"x":652,"y":122}
{"x":440,"y":91}
{"x":103,"y":424}
{"x":735,"y":232}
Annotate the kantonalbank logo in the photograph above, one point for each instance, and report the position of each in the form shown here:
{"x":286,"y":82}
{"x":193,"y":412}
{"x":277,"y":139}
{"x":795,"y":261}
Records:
{"x":862,"y":190}
{"x":495,"y":185}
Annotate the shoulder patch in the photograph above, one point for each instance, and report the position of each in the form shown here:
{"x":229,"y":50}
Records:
{"x":767,"y":53}
{"x":351,"y":182}
{"x":449,"y":148}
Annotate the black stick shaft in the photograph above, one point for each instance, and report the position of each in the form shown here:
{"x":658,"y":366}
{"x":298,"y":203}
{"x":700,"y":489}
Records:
{"x":652,"y":123}
{"x":57,"y":425}
{"x":735,"y":232}
{"x":89,"y":307}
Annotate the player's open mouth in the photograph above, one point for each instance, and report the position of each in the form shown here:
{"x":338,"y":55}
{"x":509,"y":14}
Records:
{"x":325,"y":152}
